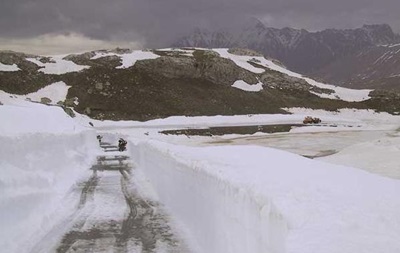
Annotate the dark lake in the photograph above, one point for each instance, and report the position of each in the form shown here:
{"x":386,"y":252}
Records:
{"x":234,"y":130}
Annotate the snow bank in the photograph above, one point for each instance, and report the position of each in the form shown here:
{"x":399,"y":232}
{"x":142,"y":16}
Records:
{"x":8,"y":68}
{"x":19,"y":120}
{"x":254,"y":199}
{"x":37,"y":171}
{"x":43,"y":153}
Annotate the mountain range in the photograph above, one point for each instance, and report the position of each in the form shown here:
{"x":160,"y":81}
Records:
{"x":364,"y":57}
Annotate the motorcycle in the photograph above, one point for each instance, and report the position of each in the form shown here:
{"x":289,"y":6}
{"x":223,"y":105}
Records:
{"x":122,"y":145}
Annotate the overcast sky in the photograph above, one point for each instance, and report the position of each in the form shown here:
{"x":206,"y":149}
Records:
{"x":54,"y":26}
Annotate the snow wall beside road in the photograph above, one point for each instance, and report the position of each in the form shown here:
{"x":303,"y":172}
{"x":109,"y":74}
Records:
{"x":37,"y":172}
{"x":220,"y":216}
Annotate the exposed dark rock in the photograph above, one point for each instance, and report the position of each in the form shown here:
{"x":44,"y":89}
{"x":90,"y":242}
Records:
{"x":246,"y":52}
{"x":45,"y":100}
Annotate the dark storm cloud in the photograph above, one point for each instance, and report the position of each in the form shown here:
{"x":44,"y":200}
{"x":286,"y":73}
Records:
{"x":160,"y":21}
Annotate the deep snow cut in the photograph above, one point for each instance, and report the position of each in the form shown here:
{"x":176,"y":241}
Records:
{"x":43,"y":153}
{"x":254,"y":199}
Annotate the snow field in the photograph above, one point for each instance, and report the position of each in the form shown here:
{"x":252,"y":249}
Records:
{"x":255,"y":199}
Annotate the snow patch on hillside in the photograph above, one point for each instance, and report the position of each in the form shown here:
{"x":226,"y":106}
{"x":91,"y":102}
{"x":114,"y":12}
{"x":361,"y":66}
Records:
{"x":240,"y":60}
{"x":128,"y":59}
{"x":59,"y":66}
{"x":9,"y":68}
{"x":55,"y":92}
{"x":345,"y":94}
{"x":242,"y":85}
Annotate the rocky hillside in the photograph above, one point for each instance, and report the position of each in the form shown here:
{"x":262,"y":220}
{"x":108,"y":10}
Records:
{"x":142,"y":85}
{"x":312,"y":53}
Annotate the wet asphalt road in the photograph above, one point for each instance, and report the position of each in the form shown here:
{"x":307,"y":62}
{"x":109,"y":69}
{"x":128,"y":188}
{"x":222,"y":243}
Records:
{"x":112,"y":216}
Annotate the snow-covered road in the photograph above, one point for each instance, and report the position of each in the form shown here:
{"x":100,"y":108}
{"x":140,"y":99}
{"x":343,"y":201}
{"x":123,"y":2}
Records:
{"x":112,"y":216}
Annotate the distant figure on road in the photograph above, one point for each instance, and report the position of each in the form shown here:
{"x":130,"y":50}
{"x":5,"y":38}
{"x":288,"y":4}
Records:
{"x":122,"y":144}
{"x":99,"y":137}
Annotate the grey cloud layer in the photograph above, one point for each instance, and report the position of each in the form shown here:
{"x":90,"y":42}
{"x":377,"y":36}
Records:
{"x":159,"y":21}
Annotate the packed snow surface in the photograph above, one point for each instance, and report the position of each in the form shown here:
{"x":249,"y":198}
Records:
{"x":128,"y":59}
{"x":339,"y":92}
{"x":8,"y":68}
{"x":242,"y":85}
{"x":58,"y":66}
